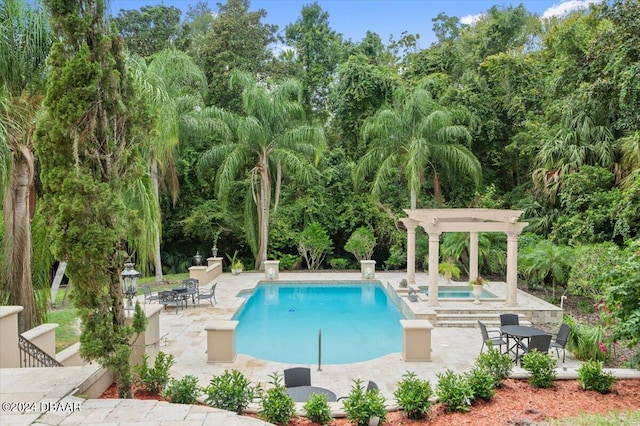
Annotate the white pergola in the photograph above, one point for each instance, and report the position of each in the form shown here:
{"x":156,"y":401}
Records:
{"x":473,"y":221}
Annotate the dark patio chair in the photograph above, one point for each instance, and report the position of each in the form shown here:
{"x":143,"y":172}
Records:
{"x":509,"y":319}
{"x":561,"y":340}
{"x":539,"y":342}
{"x":192,"y":285}
{"x":209,"y":295}
{"x":148,"y":294}
{"x":489,"y":340}
{"x":170,"y":298}
{"x":297,"y":376}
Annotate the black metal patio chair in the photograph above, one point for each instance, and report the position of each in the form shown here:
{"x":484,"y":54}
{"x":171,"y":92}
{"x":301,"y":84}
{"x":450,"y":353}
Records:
{"x":491,"y":341}
{"x":297,"y":376}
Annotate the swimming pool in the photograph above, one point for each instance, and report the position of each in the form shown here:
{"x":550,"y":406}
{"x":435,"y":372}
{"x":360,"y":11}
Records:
{"x":458,"y":292}
{"x":280,"y":322}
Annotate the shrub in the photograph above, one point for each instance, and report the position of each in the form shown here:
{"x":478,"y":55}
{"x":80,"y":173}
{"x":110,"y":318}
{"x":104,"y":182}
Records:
{"x":276,"y":406}
{"x":414,"y":396}
{"x":586,"y":342}
{"x":497,"y":364}
{"x":591,"y":377}
{"x":454,"y":391}
{"x":154,"y":379}
{"x":361,"y":243}
{"x":482,"y":383}
{"x":230,"y":391}
{"x":541,"y":367}
{"x":361,"y":405}
{"x":339,"y":263}
{"x":314,"y":245}
{"x":183,"y":391}
{"x":317,"y":409}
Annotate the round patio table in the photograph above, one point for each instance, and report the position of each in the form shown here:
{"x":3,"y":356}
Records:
{"x":519,"y":333}
{"x":302,"y":393}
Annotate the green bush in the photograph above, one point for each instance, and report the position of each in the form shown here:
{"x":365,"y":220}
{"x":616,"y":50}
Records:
{"x":541,"y":367}
{"x":287,"y":261}
{"x":361,"y":405}
{"x":497,"y":364}
{"x":276,"y":406}
{"x":154,"y":379}
{"x":317,"y":409}
{"x":587,"y":342}
{"x":414,"y":396}
{"x":314,"y":244}
{"x":183,"y":391}
{"x":454,"y":391}
{"x":339,"y":263}
{"x":591,"y":377}
{"x":482,"y":383}
{"x":361,"y":243}
{"x":230,"y":391}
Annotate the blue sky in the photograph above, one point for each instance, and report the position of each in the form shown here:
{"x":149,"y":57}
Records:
{"x":352,"y":18}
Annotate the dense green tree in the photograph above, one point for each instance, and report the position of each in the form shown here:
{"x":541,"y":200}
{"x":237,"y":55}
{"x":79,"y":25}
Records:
{"x":150,"y":29}
{"x":24,"y":45}
{"x":547,"y":261}
{"x":417,"y":135}
{"x":237,"y":41}
{"x":87,"y":145}
{"x":317,"y":49}
{"x":270,"y":139}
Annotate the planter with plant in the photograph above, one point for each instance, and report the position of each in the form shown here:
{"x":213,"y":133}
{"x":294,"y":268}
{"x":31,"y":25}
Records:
{"x":448,"y":270}
{"x":236,"y":264}
{"x":476,"y":285}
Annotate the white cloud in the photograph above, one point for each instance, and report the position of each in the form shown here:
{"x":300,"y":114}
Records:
{"x":567,"y":7}
{"x":471,"y":19}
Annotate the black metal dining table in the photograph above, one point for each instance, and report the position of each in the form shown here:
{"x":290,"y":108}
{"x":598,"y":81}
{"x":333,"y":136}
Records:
{"x":302,"y":393}
{"x":519,"y":333}
{"x":185,"y":293}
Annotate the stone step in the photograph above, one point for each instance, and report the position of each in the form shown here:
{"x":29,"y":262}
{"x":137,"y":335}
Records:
{"x":491,"y":320}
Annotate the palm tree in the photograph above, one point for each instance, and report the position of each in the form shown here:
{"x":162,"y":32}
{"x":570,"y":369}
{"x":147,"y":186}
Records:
{"x":578,"y":141}
{"x":416,"y":135}
{"x":172,"y":85}
{"x":546,"y":260}
{"x":270,"y":136}
{"x":630,"y":149}
{"x":24,"y":46}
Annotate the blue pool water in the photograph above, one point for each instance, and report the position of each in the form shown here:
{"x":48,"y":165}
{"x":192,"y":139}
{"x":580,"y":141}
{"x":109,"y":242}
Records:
{"x":280,"y":322}
{"x":461,"y":292}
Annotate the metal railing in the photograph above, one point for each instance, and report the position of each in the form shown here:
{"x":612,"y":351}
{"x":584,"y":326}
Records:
{"x":33,"y":356}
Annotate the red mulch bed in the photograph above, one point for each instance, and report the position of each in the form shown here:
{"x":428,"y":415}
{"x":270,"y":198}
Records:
{"x":516,"y":402}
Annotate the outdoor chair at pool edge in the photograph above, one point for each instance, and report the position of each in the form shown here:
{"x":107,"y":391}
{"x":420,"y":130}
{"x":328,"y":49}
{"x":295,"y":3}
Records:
{"x":539,"y":342}
{"x":297,"y":376}
{"x":148,"y":295}
{"x":207,"y":294}
{"x":561,"y":340}
{"x":488,"y":340}
{"x":370,"y":386}
{"x":170,"y":298}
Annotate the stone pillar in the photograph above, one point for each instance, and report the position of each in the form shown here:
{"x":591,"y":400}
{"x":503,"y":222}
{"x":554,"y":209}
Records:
{"x":9,"y":351}
{"x":147,"y":341}
{"x":473,"y":255}
{"x":434,"y":255}
{"x":44,"y":337}
{"x":368,"y":269}
{"x":221,"y":341}
{"x":271,"y":269}
{"x":512,"y":269}
{"x":416,"y":340}
{"x":411,"y":253}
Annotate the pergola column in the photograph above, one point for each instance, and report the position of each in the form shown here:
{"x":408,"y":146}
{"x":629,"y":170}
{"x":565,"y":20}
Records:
{"x":473,"y":255}
{"x":411,"y":252}
{"x":434,"y":256}
{"x":512,"y":268}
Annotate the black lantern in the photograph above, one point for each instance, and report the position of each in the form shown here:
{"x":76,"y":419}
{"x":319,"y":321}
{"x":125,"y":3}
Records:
{"x":129,"y":282}
{"x":198,"y":258}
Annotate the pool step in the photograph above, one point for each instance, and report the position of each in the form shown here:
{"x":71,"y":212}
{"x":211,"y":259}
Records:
{"x":490,"y":319}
